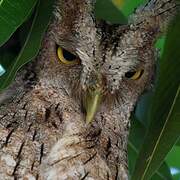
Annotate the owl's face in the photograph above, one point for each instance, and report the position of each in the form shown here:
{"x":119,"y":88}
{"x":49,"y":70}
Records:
{"x":97,"y":63}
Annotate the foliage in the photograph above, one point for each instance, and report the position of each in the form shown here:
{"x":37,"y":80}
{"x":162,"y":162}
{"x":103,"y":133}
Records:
{"x":32,"y":43}
{"x":12,"y":15}
{"x":157,"y":115}
{"x":164,"y":128}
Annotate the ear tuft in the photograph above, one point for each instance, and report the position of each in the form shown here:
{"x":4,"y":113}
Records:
{"x":155,"y":15}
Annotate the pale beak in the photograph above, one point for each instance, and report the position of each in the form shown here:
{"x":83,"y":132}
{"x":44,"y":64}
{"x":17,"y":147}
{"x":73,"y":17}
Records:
{"x":92,"y":103}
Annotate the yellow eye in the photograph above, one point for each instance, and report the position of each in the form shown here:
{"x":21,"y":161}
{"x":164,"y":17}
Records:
{"x":66,"y":57}
{"x":134,"y":75}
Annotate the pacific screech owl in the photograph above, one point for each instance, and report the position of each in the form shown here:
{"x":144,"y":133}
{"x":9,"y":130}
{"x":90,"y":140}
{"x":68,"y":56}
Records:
{"x":87,"y":70}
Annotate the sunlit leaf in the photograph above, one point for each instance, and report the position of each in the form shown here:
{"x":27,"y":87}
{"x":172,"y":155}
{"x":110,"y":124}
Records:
{"x":118,"y":3}
{"x":127,"y":7}
{"x":173,"y":158}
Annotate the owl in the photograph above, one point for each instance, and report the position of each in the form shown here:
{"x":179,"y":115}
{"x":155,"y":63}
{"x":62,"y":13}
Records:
{"x":66,"y":116}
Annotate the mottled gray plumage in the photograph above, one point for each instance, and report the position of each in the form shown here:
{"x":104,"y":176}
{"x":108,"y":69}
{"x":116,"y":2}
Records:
{"x":43,"y":134}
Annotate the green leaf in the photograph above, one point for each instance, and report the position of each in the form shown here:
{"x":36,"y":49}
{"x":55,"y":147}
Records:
{"x":176,"y":176}
{"x":12,"y":15}
{"x":6,"y":58}
{"x":173,"y":158}
{"x":32,"y":43}
{"x":178,"y":143}
{"x":160,"y":44}
{"x":136,"y":137}
{"x":118,"y":3}
{"x":106,"y":10}
{"x":163,"y":173}
{"x":127,"y":6}
{"x":164,"y":113}
{"x":116,"y":11}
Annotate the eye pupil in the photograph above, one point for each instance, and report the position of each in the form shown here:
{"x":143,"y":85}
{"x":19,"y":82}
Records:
{"x":134,"y":75}
{"x":68,"y":56}
{"x":130,"y":74}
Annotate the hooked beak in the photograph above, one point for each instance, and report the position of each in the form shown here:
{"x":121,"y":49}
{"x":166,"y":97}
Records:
{"x":92,"y":102}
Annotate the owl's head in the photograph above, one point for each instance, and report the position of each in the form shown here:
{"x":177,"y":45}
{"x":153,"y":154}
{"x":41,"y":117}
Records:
{"x":98,"y":62}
